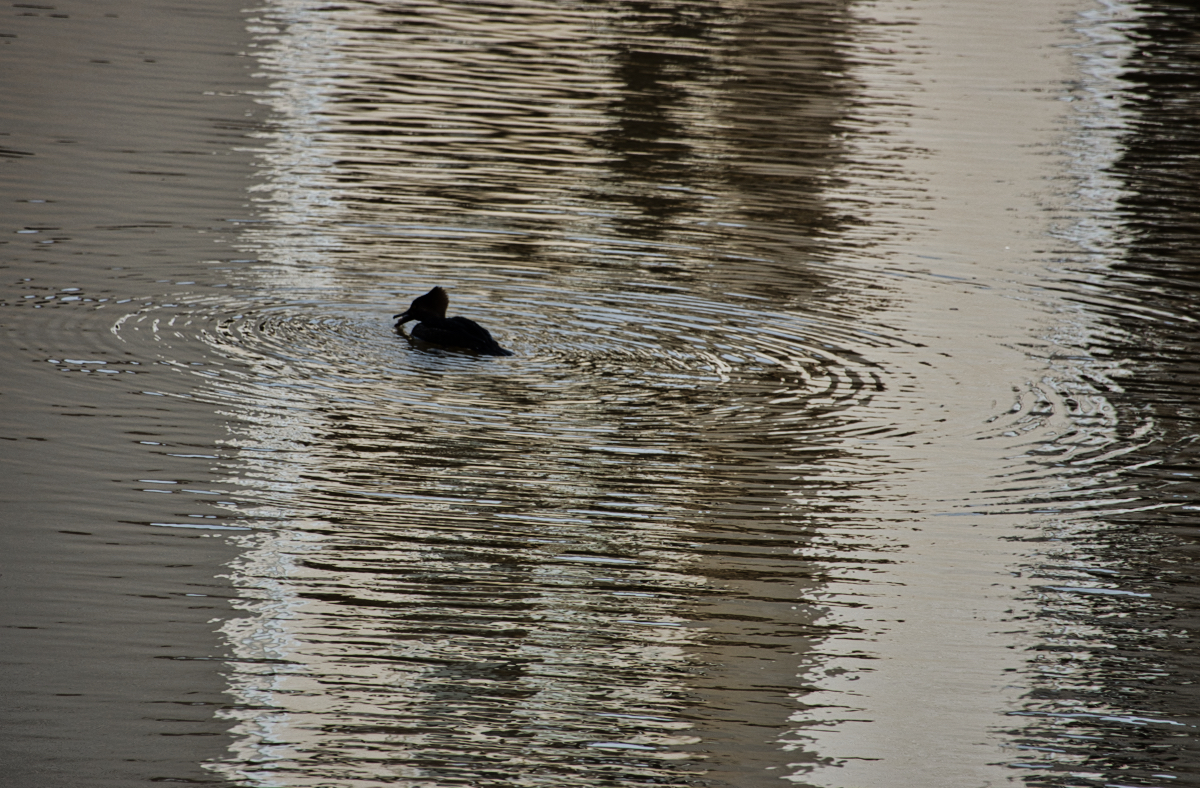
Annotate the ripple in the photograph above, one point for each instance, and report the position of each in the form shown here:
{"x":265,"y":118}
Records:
{"x":639,"y":345}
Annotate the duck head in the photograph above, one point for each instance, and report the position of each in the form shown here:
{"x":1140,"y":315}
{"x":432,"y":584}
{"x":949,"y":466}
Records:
{"x":431,"y":305}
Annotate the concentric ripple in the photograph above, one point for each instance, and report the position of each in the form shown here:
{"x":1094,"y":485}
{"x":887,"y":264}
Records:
{"x":640,"y":345}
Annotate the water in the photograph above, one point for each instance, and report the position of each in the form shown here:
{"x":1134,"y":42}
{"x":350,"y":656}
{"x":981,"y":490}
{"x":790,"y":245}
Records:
{"x":849,"y":437}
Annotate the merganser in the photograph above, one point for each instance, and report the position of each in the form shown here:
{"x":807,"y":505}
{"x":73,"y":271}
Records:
{"x":434,"y":327}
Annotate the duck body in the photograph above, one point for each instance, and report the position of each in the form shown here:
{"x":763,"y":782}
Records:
{"x":435,"y":328}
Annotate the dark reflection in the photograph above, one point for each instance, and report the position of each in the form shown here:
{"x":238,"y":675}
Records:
{"x":786,"y":112}
{"x":1116,"y":695}
{"x":668,"y":59}
{"x":733,"y":115}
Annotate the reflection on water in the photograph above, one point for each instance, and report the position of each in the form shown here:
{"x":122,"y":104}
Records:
{"x":849,"y":437}
{"x":660,"y":543}
{"x":507,"y":554}
{"x":1113,"y":691}
{"x":541,"y":569}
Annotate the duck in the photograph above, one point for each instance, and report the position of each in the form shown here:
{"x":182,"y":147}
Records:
{"x":435,"y":328}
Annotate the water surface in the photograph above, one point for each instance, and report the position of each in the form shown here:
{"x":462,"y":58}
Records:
{"x":122,"y":169}
{"x":848,"y":439}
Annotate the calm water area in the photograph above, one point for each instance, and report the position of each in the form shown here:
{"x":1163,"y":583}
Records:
{"x":850,"y":437}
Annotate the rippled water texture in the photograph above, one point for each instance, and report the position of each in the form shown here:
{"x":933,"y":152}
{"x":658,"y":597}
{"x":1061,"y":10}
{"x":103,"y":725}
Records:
{"x":849,"y":435}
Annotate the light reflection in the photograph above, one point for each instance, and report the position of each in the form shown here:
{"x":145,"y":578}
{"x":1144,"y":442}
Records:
{"x":698,"y":525}
{"x":494,"y":565}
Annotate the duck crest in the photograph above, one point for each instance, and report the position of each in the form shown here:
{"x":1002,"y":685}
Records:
{"x":435,"y":301}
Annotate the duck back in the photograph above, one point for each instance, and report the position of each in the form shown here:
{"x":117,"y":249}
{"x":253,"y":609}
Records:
{"x":459,"y":332}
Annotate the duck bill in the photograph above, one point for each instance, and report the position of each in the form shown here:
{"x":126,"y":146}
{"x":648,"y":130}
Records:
{"x":404,"y":317}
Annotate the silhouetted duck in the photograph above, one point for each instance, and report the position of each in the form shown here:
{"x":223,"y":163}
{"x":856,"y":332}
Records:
{"x":434,"y":327}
